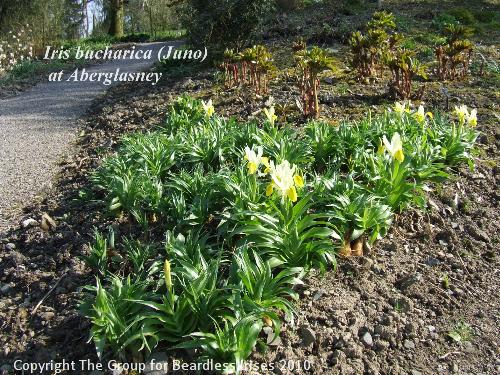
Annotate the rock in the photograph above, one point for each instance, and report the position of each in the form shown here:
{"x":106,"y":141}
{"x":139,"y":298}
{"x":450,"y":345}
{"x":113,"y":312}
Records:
{"x":28,"y":223}
{"x":415,"y":372}
{"x":307,"y":335}
{"x":367,"y":339}
{"x":47,"y":223}
{"x":366,"y":263}
{"x":49,"y":315}
{"x":468,"y":347}
{"x":157,"y":364}
{"x":317,"y":295}
{"x":409,"y":344}
{"x":433,"y":336}
{"x":10,"y":246}
{"x":387,"y":320}
{"x":271,"y":338}
{"x":337,"y":357}
{"x":5,"y":289}
{"x":410,"y":329}
{"x":432,"y":262}
{"x":431,"y":328}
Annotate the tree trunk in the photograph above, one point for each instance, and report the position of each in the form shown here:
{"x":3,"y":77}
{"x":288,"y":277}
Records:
{"x":151,"y":24}
{"x":116,"y":18}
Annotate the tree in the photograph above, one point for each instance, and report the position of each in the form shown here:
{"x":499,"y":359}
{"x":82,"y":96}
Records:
{"x":116,"y":10}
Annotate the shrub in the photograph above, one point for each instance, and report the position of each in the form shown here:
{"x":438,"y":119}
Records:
{"x":454,"y":57}
{"x":311,"y":62}
{"x":251,"y":66}
{"x":226,"y":23}
{"x":288,"y":5}
{"x":368,"y":49}
{"x":463,"y":15}
{"x":404,"y":67}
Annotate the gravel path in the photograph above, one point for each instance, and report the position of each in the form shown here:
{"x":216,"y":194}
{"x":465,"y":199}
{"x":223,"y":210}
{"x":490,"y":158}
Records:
{"x":38,"y":127}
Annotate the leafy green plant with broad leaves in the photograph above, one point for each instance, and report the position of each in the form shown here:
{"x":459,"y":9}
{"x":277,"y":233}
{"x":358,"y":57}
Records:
{"x":311,"y":62}
{"x":244,"y":211}
{"x":289,"y":235}
{"x":261,"y":287}
{"x":228,"y":345}
{"x":118,"y":321}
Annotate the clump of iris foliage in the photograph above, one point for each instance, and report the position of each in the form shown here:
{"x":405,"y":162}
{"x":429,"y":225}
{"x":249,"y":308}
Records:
{"x":233,"y":215}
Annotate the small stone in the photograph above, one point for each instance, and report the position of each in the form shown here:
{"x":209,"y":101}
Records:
{"x":317,"y":295}
{"x":161,"y":365}
{"x":28,"y":223}
{"x":367,"y":339}
{"x":433,"y":336}
{"x":10,"y":246}
{"x":432,"y":262}
{"x":431,"y":328}
{"x":271,"y":338}
{"x":308,"y":336}
{"x":5,"y":289}
{"x":453,"y":367}
{"x":338,"y":356}
{"x":468,"y":347}
{"x":415,"y":372}
{"x":47,"y":223}
{"x":409,"y":344}
{"x":366,"y":263}
{"x":48,"y":315}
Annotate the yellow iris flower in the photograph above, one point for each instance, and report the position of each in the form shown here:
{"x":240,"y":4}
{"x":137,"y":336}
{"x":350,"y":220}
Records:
{"x":208,"y":107}
{"x":401,"y":108}
{"x":255,"y":159}
{"x":284,"y":180}
{"x":420,"y":115}
{"x":463,"y":115}
{"x":270,"y":114}
{"x":394,"y":147}
{"x":472,"y":118}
